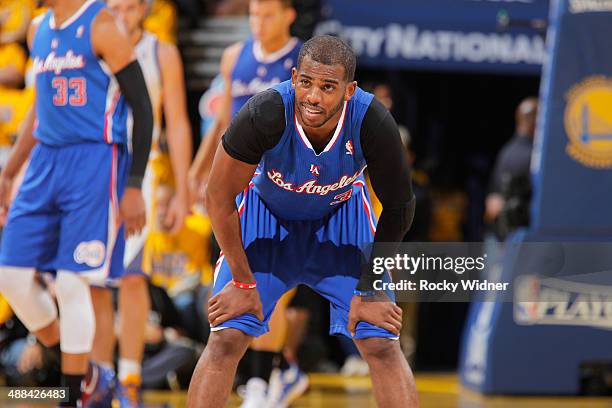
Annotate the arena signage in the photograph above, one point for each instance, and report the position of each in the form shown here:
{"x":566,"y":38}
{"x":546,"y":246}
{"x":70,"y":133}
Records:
{"x":472,"y":36}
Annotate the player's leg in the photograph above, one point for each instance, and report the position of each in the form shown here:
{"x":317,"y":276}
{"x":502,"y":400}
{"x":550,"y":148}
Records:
{"x":133,"y":307}
{"x":29,"y":240}
{"x":271,"y":267}
{"x":298,"y":315}
{"x":100,"y":380}
{"x":392,"y":379}
{"x":214,"y":374}
{"x":77,"y":327}
{"x":104,"y":340}
{"x":89,"y":201}
{"x":31,"y":302}
{"x":340,"y":266}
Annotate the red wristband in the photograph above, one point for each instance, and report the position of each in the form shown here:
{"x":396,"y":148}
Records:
{"x":240,"y":285}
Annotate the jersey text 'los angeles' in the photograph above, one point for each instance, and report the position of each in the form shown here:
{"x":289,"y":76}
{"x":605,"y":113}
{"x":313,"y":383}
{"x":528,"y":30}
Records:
{"x":255,"y":72}
{"x":295,"y":182}
{"x":77,"y":98}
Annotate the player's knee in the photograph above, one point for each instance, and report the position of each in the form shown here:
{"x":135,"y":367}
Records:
{"x":227,"y":344}
{"x":377,"y":349}
{"x":77,"y":320}
{"x":15,"y":281}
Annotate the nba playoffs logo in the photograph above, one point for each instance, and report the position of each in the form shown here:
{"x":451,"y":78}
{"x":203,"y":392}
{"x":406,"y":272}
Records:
{"x":562,"y":302}
{"x":588,"y":122}
{"x":90,"y":253}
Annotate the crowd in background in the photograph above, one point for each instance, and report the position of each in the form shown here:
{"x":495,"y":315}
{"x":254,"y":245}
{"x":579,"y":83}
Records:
{"x":181,"y":264}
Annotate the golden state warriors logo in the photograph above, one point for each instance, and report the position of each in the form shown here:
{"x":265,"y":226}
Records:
{"x":588,"y":122}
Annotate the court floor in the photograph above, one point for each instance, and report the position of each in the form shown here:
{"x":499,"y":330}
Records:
{"x":435,"y":391}
{"x":334,"y":391}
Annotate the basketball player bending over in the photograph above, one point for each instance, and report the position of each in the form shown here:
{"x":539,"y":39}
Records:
{"x":289,"y":205}
{"x":66,"y":216}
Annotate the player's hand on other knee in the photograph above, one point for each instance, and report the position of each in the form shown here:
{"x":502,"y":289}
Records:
{"x":379,"y":311}
{"x":133,"y":211}
{"x":233,"y":302}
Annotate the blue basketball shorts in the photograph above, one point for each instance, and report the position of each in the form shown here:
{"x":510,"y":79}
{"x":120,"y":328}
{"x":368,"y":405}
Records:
{"x":66,"y":213}
{"x":324,"y":254}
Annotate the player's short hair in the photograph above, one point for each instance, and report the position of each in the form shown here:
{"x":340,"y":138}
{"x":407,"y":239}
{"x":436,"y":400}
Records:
{"x":284,"y":3}
{"x":329,"y":50}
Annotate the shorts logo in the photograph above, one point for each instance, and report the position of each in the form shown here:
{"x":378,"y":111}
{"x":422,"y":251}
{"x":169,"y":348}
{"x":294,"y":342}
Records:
{"x":90,"y":253}
{"x":588,"y":122}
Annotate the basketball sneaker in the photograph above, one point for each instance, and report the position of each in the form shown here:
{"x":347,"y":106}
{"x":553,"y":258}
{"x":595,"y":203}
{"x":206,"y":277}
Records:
{"x":98,"y":387}
{"x":286,"y":386}
{"x":255,"y":394}
{"x":128,"y":392}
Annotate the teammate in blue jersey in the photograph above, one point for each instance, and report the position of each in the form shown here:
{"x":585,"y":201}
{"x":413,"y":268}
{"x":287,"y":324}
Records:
{"x":289,"y":206}
{"x":81,"y":183}
{"x":265,"y":59}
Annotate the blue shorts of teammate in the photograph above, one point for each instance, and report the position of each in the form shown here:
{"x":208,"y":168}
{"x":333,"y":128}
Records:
{"x":66,"y":213}
{"x":324,"y":254}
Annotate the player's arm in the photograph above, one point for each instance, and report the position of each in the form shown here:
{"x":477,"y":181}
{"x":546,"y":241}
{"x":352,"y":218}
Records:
{"x":256,"y":128}
{"x":178,"y":130}
{"x":198,"y":173}
{"x":19,"y":154}
{"x":389,"y":172}
{"x":113,"y":45}
{"x":22,"y":148}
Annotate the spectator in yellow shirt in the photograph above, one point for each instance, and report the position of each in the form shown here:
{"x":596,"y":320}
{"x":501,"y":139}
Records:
{"x":180,"y":263}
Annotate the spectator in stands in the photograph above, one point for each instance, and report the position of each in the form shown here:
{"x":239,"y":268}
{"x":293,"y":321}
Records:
{"x":15,"y":16}
{"x":14,"y":101}
{"x":511,"y":171}
{"x":170,"y":356}
{"x":162,"y":20}
{"x":179,"y":263}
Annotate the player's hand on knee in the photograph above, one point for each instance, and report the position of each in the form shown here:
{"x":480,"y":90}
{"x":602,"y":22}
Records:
{"x":233,"y":302}
{"x":133,"y":211}
{"x":379,"y":311}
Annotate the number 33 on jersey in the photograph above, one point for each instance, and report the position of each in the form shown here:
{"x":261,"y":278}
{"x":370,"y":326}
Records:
{"x":78,"y":100}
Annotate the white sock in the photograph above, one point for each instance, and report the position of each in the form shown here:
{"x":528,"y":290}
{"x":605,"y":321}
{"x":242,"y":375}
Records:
{"x":128,"y":367}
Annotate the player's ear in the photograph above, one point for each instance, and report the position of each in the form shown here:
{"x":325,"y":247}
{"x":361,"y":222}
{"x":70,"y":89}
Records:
{"x":293,"y":77}
{"x":351,"y":87}
{"x":291,"y":15}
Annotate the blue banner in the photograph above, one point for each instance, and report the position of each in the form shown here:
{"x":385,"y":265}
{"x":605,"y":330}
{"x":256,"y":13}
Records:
{"x":531,"y":347}
{"x":505,"y":36}
{"x":572,"y":162}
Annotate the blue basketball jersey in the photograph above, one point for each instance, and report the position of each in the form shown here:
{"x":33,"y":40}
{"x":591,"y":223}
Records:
{"x":298,"y":184}
{"x":77,"y":97}
{"x":255,"y":72}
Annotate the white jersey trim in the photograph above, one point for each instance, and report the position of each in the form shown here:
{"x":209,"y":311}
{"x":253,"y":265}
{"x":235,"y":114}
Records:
{"x":332,"y":141}
{"x":259,"y":55}
{"x":72,"y":18}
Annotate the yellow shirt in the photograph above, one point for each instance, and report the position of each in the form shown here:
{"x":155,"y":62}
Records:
{"x":162,"y":21}
{"x":18,"y":14}
{"x":12,"y":55}
{"x":5,"y":310}
{"x":173,"y":260}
